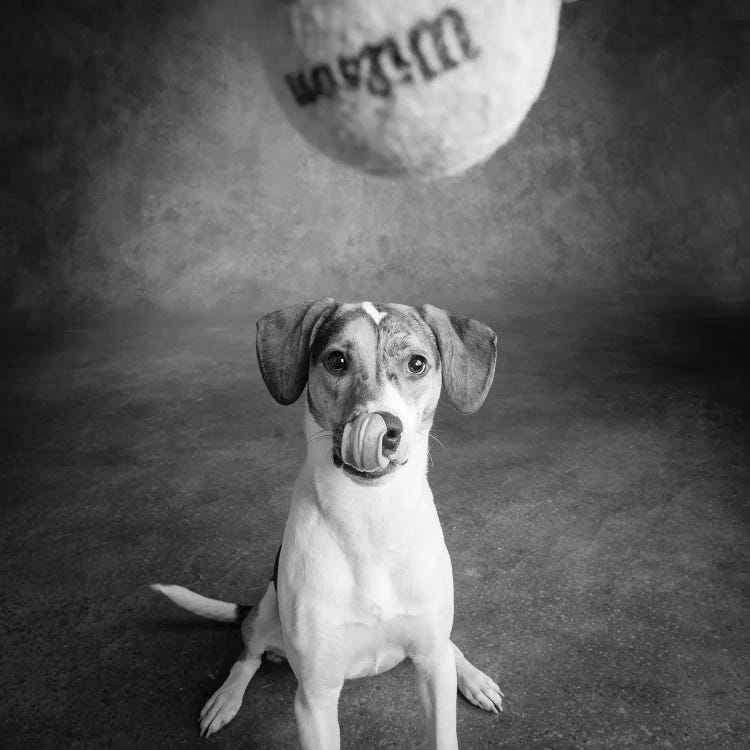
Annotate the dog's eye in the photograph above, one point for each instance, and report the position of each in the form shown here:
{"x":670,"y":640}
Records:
{"x":417,"y":365}
{"x":336,"y":362}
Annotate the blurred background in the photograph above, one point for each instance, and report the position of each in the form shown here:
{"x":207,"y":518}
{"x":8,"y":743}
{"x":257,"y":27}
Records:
{"x":154,"y":203}
{"x":146,"y":167}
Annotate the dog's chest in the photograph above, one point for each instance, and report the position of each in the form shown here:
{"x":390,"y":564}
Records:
{"x":381,"y":591}
{"x":382,"y":572}
{"x":364,"y":581}
{"x":385,"y":616}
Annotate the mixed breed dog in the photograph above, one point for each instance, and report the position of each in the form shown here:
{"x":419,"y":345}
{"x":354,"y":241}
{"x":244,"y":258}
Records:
{"x":363,"y":578}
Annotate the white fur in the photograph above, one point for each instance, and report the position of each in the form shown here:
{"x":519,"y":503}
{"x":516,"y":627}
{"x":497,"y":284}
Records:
{"x":213,"y":609}
{"x":390,"y":400}
{"x":372,"y":311}
{"x":364,"y":581}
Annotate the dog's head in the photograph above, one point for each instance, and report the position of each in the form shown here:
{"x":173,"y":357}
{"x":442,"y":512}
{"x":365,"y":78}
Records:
{"x":374,"y":374}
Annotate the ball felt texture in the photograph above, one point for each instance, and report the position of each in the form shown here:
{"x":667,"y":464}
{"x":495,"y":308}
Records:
{"x":419,"y":88}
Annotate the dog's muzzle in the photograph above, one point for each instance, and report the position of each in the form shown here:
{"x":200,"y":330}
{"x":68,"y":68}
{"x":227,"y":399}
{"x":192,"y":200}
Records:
{"x":369,"y":442}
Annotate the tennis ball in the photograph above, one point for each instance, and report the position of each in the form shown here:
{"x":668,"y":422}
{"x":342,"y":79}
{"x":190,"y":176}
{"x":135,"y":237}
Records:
{"x":407,"y":87}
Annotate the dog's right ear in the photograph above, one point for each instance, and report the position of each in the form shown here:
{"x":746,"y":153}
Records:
{"x":282,"y":343}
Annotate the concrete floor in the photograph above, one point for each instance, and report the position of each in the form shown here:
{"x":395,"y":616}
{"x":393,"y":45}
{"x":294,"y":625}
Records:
{"x":595,"y":508}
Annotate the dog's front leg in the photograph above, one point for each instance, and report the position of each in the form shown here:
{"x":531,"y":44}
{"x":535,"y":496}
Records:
{"x":316,"y":710}
{"x":436,"y":685}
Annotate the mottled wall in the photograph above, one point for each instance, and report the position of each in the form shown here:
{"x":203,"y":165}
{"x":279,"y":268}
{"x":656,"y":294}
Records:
{"x":147,"y":167}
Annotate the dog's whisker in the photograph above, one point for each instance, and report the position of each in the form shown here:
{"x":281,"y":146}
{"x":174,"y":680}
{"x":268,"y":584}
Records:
{"x":439,"y":442}
{"x":429,"y":455}
{"x":320,"y":432}
{"x":319,"y":437}
{"x":322,"y":435}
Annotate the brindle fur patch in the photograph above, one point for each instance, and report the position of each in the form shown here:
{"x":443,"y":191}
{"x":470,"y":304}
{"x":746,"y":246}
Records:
{"x":376,"y":354}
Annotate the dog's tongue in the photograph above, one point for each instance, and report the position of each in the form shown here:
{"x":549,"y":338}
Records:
{"x":361,"y":443}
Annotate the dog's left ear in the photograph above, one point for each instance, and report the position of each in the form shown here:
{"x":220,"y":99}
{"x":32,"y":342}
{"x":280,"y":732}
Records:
{"x":468,"y":350}
{"x":282,"y":343}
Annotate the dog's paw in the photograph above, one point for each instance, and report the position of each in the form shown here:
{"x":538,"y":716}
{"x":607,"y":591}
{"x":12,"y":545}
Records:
{"x":479,"y":689}
{"x":219,"y":710}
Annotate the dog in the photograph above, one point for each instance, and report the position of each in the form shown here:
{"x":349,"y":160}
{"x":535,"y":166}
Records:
{"x":362,"y":579}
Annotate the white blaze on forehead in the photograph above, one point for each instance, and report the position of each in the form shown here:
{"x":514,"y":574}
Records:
{"x":369,"y":308}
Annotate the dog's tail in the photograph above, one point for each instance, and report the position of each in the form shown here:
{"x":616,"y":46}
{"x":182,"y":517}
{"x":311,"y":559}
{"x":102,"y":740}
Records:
{"x":213,"y":609}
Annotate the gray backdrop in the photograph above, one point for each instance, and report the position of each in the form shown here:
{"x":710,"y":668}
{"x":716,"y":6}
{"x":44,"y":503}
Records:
{"x":148,"y":168}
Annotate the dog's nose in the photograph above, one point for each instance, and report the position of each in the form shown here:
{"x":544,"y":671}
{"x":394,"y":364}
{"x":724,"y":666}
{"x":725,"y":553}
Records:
{"x":394,"y":428}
